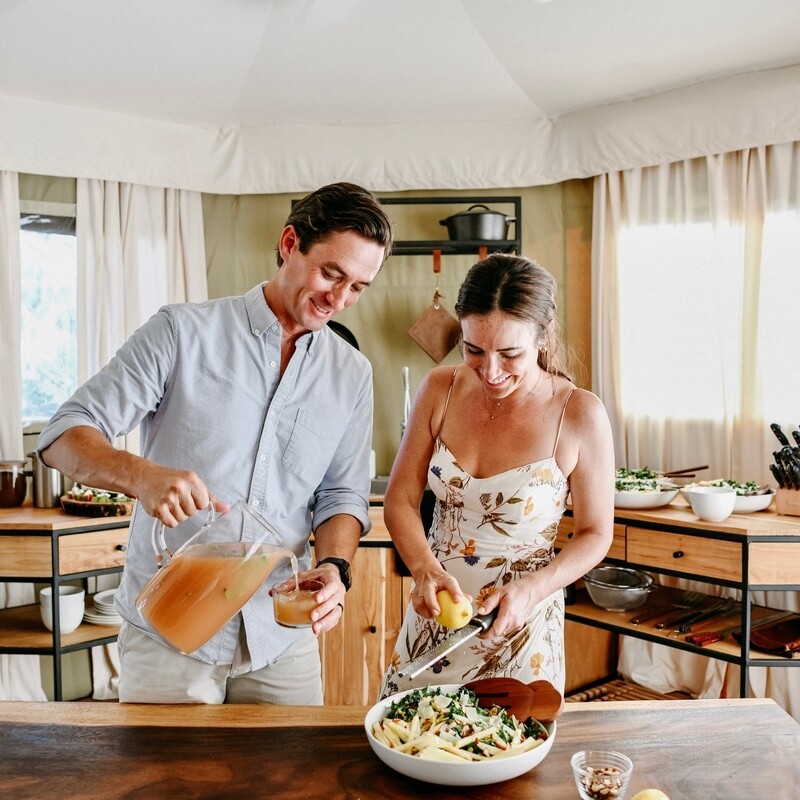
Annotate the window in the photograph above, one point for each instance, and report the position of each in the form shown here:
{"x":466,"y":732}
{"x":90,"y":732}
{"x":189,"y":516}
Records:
{"x":697,"y":327}
{"x":48,"y":261}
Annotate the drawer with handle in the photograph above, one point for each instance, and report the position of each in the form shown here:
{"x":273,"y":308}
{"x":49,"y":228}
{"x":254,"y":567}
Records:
{"x":694,"y":555}
{"x":617,"y":549}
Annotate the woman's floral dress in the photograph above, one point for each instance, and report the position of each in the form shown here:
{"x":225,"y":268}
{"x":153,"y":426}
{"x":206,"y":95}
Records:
{"x":487,"y":532}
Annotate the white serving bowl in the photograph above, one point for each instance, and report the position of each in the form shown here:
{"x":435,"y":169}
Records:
{"x":71,"y":603}
{"x":712,"y":503}
{"x":475,"y":773}
{"x":645,"y":499}
{"x":747,"y":503}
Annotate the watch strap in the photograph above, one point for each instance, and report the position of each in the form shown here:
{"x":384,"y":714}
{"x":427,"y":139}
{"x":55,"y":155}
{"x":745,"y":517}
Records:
{"x":342,"y":565}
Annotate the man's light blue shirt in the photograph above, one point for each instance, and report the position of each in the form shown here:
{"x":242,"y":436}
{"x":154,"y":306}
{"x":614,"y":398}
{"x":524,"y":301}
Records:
{"x":203,"y":382}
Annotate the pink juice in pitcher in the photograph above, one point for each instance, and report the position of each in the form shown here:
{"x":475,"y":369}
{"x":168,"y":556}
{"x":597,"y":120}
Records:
{"x":202,"y":587}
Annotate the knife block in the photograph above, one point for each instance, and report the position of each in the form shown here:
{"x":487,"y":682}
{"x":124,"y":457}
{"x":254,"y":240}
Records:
{"x":787,"y":502}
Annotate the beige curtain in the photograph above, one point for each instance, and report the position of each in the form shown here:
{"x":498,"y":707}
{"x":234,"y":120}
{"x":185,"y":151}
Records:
{"x":11,"y":447}
{"x":139,"y":248}
{"x":19,"y":674}
{"x":723,"y":332}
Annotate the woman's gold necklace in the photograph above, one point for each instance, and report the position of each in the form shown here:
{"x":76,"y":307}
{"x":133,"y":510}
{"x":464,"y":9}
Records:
{"x":499,"y":403}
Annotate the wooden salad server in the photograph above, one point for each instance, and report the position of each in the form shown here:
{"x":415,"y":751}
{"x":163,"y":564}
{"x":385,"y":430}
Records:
{"x":537,"y":699}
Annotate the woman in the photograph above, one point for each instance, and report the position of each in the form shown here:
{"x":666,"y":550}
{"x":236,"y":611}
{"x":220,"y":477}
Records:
{"x":501,"y":440}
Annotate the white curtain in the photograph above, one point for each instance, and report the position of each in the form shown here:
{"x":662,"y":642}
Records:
{"x":19,"y":674}
{"x":139,"y":247}
{"x":737,"y":353}
{"x":11,"y":448}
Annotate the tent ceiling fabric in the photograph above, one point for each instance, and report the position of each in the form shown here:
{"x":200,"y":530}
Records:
{"x":250,"y":96}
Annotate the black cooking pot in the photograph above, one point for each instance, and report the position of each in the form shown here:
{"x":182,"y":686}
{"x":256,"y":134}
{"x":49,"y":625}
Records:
{"x":477,"y":222}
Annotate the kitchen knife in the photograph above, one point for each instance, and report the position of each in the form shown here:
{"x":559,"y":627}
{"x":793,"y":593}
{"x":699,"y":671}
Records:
{"x":791,"y":466}
{"x":779,"y":434}
{"x":778,"y":475}
{"x":709,"y":637}
{"x":796,"y":436}
{"x":685,"y":623}
{"x":650,"y":614}
{"x":686,"y":617}
{"x":716,"y":613}
{"x":478,"y":624}
{"x":788,"y":467}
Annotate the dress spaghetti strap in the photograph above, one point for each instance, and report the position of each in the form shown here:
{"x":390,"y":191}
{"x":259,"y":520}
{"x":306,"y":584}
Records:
{"x":561,"y":422}
{"x":447,"y":402}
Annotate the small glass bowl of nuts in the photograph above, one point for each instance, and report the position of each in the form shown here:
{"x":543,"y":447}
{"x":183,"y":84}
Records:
{"x":601,"y":774}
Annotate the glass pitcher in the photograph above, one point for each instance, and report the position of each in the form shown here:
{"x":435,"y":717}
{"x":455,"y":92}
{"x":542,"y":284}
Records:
{"x":211,"y":576}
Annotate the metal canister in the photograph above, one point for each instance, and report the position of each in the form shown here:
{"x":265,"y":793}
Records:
{"x":48,"y":484}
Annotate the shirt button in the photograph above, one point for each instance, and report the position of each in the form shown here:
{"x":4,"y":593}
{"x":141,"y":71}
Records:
{"x":262,"y":457}
{"x":256,"y":502}
{"x":273,"y":364}
{"x":256,"y":332}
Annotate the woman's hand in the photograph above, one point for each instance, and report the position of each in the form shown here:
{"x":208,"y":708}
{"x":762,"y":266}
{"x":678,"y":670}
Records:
{"x":515,"y":603}
{"x":427,"y":585}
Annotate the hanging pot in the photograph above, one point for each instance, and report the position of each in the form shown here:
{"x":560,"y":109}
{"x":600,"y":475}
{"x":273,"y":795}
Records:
{"x":476,"y":223}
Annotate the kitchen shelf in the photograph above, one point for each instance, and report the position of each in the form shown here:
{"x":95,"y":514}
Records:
{"x":22,"y":631}
{"x":45,"y":545}
{"x":728,"y":649}
{"x":450,"y":246}
{"x":746,"y":552}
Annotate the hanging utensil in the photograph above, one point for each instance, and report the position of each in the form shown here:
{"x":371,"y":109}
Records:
{"x":406,"y":401}
{"x":436,"y":331}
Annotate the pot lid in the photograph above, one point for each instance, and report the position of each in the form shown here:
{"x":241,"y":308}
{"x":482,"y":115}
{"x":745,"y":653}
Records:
{"x":477,"y":210}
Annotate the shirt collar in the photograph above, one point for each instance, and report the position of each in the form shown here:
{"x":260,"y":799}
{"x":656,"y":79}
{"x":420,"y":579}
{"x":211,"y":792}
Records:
{"x":261,"y":317}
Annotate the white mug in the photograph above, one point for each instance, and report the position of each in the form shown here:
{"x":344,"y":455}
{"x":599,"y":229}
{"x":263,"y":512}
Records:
{"x":71,"y":605}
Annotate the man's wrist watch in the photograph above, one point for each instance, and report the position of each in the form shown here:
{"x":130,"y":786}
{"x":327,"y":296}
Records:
{"x":343,"y":567}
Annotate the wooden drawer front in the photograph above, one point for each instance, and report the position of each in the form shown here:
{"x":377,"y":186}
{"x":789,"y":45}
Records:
{"x":710,"y":558}
{"x":617,"y":549}
{"x":26,"y":556}
{"x":87,"y":551}
{"x":775,"y":563}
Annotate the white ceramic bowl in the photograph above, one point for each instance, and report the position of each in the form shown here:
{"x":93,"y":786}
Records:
{"x":712,"y":503}
{"x":747,"y":503}
{"x":476,"y":773}
{"x":645,"y":499}
{"x":71,"y":602}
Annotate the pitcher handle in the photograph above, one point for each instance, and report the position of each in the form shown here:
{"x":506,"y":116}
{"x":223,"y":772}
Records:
{"x":163,"y":553}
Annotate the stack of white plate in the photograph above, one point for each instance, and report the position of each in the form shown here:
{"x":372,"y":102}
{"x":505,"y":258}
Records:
{"x":104,"y":612}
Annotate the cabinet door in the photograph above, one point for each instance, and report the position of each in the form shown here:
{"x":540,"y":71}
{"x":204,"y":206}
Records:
{"x":355,"y":654}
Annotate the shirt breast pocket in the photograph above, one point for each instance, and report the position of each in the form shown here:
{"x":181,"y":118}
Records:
{"x":311,"y":446}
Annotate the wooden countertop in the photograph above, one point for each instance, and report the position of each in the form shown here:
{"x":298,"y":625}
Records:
{"x":679,"y":514}
{"x":49,"y":520}
{"x":709,"y":749}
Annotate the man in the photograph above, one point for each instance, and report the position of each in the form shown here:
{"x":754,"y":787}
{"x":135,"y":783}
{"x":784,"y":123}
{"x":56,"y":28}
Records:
{"x":252,"y":398}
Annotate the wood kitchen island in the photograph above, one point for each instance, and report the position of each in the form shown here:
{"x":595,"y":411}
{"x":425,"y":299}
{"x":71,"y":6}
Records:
{"x":692,"y":750}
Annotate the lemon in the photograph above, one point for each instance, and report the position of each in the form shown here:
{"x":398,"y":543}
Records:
{"x":650,"y":794}
{"x":452,"y":614}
